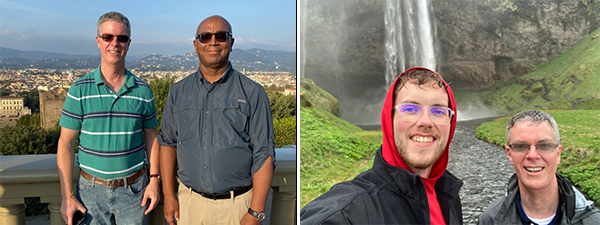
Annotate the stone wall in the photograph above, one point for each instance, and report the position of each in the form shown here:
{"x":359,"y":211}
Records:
{"x":51,"y":104}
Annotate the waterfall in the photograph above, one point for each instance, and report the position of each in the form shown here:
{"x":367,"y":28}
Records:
{"x":410,"y":38}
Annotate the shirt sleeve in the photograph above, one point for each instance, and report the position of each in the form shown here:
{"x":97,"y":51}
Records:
{"x":150,"y":121}
{"x":168,"y":126}
{"x":72,"y":113}
{"x":261,"y":131}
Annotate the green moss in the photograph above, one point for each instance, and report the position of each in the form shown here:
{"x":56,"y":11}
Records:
{"x":319,"y":97}
{"x":589,"y":104}
{"x":537,"y":87}
{"x":560,"y":105}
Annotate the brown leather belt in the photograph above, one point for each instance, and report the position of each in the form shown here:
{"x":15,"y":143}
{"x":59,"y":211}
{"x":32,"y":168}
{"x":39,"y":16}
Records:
{"x":113,"y":182}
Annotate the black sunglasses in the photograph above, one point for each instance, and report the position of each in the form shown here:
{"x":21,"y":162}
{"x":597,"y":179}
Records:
{"x":110,"y":37}
{"x":220,"y":36}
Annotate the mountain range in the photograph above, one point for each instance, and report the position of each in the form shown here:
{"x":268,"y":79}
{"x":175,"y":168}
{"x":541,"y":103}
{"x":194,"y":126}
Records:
{"x":249,"y":59}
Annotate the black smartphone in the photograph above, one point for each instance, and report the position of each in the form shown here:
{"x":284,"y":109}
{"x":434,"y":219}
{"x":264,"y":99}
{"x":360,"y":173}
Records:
{"x":78,"y":217}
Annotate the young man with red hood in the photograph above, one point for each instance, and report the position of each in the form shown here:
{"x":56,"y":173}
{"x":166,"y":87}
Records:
{"x":408,"y":183}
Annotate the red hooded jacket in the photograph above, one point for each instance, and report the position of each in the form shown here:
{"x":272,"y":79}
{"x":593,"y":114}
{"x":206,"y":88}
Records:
{"x":392,"y":157}
{"x":390,"y":192}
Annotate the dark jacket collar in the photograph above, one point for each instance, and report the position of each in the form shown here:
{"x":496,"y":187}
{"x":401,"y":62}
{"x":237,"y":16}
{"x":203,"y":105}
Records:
{"x":566,"y":195}
{"x":411,"y":186}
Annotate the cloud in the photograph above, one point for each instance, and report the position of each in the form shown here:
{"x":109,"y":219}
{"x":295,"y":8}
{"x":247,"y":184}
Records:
{"x":270,"y":45}
{"x":39,"y":41}
{"x":16,"y":35}
{"x":186,"y":41}
{"x":10,"y":5}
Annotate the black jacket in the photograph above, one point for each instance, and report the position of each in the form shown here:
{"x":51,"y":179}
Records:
{"x":384,"y":194}
{"x":575,"y":208}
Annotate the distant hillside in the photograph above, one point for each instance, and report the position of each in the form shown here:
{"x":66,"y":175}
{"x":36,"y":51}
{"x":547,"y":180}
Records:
{"x":13,"y":53}
{"x":569,"y":81}
{"x":251,"y":59}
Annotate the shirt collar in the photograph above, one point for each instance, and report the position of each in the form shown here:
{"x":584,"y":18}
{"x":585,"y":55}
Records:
{"x":525,"y":219}
{"x":129,"y":79}
{"x":223,"y":78}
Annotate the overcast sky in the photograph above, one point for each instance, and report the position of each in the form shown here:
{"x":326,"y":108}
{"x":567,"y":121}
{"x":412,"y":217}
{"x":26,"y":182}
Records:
{"x":164,"y":27}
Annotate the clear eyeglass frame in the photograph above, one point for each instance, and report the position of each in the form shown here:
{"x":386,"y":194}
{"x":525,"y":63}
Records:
{"x":543,"y":148}
{"x":412,"y":112}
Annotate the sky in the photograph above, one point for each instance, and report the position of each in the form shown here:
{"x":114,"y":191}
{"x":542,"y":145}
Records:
{"x":163,"y":27}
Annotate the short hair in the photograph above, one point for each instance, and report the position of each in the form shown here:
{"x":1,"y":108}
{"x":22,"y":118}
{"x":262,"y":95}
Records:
{"x":117,"y":17}
{"x":532,"y":116}
{"x":419,"y":77}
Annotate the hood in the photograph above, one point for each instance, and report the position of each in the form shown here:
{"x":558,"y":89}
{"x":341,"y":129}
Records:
{"x":389,"y":151}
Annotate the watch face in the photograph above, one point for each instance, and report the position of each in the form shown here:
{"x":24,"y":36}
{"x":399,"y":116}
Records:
{"x":261,"y":216}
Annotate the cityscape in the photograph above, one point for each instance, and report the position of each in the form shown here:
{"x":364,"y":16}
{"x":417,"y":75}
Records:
{"x":52,"y":77}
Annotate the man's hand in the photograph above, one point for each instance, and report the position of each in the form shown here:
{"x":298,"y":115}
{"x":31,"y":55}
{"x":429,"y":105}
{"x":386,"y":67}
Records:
{"x":249,"y":220}
{"x":68,"y":207}
{"x":171,"y":208}
{"x":153,"y":193}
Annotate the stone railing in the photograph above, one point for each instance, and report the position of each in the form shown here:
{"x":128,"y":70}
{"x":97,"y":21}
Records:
{"x":24,"y":176}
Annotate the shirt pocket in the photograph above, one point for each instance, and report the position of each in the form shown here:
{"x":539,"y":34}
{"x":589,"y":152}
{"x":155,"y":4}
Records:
{"x":235,"y":119}
{"x":188,"y":123}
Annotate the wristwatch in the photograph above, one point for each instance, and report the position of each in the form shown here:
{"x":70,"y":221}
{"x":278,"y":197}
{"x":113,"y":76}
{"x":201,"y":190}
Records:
{"x":260,"y":216}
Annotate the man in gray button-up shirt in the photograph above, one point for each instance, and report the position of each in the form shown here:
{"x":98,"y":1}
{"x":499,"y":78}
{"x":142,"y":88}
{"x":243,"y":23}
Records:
{"x":217,"y":128}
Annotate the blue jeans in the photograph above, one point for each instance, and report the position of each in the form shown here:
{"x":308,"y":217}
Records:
{"x":119,"y":204}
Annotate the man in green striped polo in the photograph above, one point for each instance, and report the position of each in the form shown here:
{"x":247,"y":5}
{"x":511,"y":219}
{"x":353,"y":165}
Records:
{"x":112,"y":113}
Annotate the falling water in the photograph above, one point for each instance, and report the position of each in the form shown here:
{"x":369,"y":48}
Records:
{"x":410,"y":36}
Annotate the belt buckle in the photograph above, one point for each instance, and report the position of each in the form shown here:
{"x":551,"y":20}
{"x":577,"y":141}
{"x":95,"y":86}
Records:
{"x":209,"y":196}
{"x":114,"y":183}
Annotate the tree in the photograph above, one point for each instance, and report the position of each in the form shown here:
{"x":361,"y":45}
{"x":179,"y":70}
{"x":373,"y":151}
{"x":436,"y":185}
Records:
{"x":28,"y":140}
{"x":29,"y":120}
{"x":285,"y":131}
{"x":4,"y":92}
{"x":33,"y":100}
{"x":282,"y":106}
{"x":160,"y":89}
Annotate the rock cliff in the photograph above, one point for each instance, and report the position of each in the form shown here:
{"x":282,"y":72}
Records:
{"x":483,"y":41}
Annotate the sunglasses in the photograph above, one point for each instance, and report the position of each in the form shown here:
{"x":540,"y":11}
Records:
{"x":110,"y":37}
{"x":220,"y":36}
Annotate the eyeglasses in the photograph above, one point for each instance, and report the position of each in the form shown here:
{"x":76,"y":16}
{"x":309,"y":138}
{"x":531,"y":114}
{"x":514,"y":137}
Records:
{"x":540,"y":147}
{"x":412,"y":112}
{"x":110,"y":37}
{"x":220,"y":36}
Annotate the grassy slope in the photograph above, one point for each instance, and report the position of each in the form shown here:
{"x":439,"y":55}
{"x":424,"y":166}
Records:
{"x":570,"y":81}
{"x":332,"y":150}
{"x":319,"y":97}
{"x":580,"y":137}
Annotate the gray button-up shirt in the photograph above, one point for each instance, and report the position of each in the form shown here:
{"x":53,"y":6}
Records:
{"x":223,"y":131}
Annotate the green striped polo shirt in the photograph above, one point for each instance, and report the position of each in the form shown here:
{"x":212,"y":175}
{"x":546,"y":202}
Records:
{"x":111,"y":138}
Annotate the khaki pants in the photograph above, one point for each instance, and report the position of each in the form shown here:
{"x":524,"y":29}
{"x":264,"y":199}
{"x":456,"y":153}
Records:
{"x":195,"y":209}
